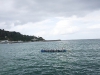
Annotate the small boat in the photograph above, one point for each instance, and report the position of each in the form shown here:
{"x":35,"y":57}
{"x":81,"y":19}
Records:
{"x":53,"y":50}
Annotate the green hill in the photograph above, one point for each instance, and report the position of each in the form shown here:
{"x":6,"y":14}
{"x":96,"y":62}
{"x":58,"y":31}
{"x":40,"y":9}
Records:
{"x":16,"y":36}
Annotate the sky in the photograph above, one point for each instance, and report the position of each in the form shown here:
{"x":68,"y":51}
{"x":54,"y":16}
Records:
{"x":52,"y":19}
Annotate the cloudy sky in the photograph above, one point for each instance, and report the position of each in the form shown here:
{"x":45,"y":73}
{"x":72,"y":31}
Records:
{"x":52,"y":19}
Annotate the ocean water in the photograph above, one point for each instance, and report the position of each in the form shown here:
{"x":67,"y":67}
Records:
{"x":82,"y":58}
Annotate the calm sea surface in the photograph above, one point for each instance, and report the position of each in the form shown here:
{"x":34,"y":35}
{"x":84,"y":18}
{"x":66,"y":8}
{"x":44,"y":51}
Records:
{"x":82,"y":58}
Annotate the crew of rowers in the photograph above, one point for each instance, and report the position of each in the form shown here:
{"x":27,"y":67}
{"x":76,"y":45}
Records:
{"x":53,"y":50}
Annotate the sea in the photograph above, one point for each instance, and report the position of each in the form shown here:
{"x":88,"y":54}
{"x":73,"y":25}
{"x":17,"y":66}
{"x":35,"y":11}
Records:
{"x":81,"y":58}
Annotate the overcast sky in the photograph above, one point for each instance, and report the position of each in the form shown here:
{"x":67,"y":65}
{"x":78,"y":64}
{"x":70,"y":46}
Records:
{"x":52,"y":19}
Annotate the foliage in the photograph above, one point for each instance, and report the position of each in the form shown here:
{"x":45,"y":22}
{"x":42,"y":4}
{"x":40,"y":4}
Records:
{"x":16,"y":36}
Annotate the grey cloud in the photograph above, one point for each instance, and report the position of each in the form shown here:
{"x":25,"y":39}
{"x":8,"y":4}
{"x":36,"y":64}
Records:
{"x":37,"y":10}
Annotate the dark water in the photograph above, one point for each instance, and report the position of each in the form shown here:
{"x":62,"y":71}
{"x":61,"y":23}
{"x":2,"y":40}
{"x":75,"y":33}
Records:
{"x":82,"y":58}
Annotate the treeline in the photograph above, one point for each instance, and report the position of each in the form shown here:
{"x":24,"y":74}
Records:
{"x":16,"y":36}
